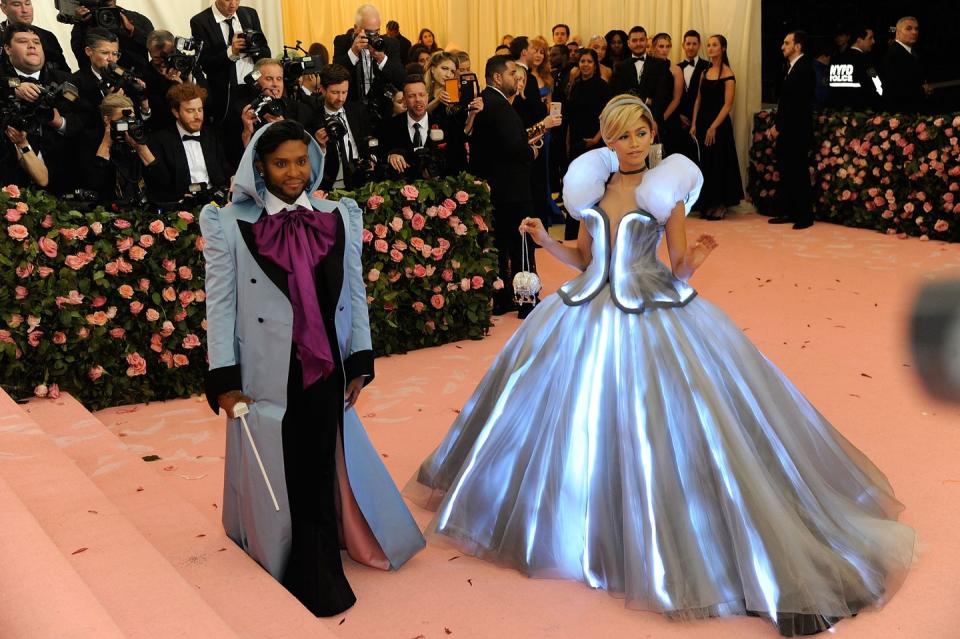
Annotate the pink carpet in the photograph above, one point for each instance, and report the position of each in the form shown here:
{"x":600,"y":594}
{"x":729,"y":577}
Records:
{"x":829,"y":305}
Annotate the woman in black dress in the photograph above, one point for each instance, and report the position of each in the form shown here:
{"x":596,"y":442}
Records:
{"x":713,"y":129}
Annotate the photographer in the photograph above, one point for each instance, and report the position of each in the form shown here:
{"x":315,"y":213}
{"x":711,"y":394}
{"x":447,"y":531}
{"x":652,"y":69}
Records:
{"x":345,"y":153}
{"x":168,"y":67}
{"x":21,"y":12}
{"x":190,"y":161}
{"x":233,"y":42}
{"x":38,"y":138}
{"x":372,"y":60}
{"x":130,"y":27}
{"x":263,"y":100}
{"x":116,"y":172}
{"x":418,"y":143}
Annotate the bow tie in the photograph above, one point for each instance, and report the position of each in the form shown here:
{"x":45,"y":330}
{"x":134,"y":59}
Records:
{"x":191,"y":138}
{"x":687,"y":63}
{"x":640,"y":58}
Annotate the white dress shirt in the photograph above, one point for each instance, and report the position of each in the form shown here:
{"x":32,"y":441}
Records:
{"x":275,"y":205}
{"x":367,"y":60}
{"x":198,"y":166}
{"x":688,"y":71}
{"x":792,"y":64}
{"x":638,"y":65}
{"x":424,"y":129}
{"x":243,"y":64}
{"x":906,"y":46}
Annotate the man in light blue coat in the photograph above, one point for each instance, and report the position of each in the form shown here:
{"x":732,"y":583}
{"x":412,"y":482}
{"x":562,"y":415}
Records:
{"x":288,"y":334}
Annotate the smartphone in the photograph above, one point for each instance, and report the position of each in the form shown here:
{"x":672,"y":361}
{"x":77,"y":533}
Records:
{"x":556,"y":108}
{"x":452,"y":87}
{"x":469,"y":88}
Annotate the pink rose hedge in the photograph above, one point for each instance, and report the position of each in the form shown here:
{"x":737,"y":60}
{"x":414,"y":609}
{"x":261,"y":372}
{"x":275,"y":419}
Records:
{"x":897,"y":174}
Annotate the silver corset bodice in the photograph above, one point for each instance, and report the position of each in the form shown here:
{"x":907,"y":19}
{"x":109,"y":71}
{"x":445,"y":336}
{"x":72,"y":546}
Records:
{"x":638,"y":279}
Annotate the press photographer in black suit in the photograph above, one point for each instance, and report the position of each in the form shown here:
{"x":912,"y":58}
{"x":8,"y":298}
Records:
{"x":903,"y":76}
{"x":793,"y":132}
{"x":374,"y":62}
{"x":227,"y":56}
{"x":342,"y":155}
{"x":131,"y":32}
{"x":852,"y":75}
{"x":185,"y":153}
{"x":21,"y":12}
{"x":161,"y":76}
{"x":644,"y":76}
{"x":115,"y":172}
{"x":501,"y":153}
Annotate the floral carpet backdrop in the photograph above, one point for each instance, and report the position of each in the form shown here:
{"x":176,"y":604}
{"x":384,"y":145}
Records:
{"x":897,"y":174}
{"x":110,"y":306}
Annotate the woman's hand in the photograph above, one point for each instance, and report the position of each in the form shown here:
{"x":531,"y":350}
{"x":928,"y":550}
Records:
{"x":475,"y":106}
{"x":698,"y":251}
{"x":444,"y":97}
{"x":710,"y":137}
{"x":552,"y":121}
{"x":352,"y":393}
{"x":534,"y":226}
{"x":230,"y":399}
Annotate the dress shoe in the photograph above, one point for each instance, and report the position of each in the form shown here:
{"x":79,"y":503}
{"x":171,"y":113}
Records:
{"x":779,"y":220}
{"x":802,"y":225}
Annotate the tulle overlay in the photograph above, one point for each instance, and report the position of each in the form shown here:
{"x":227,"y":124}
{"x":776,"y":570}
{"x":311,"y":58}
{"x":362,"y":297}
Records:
{"x":660,"y":456}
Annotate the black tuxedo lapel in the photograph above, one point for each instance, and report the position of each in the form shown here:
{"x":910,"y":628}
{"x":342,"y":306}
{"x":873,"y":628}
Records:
{"x":180,"y":163}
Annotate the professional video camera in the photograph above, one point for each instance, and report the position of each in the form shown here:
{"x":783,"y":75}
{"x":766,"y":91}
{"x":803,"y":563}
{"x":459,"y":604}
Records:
{"x":103,"y":16}
{"x":184,"y":57}
{"x":264,"y":105}
{"x":295,"y":68}
{"x":255,"y":42}
{"x":130,"y":125}
{"x":116,"y":77}
{"x":29,"y":117}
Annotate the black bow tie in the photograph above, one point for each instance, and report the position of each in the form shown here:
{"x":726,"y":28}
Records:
{"x":687,"y":63}
{"x":193,"y":138}
{"x":640,"y":58}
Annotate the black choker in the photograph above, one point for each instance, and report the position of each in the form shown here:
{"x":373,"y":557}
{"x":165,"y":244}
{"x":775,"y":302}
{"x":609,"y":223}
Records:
{"x":622,"y":172}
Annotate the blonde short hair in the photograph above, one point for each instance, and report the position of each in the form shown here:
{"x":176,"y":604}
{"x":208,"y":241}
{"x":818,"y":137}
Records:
{"x":621,"y":113}
{"x":114,"y":101}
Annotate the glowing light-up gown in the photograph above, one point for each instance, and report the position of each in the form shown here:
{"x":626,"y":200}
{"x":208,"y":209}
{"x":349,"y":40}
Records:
{"x":629,"y":436}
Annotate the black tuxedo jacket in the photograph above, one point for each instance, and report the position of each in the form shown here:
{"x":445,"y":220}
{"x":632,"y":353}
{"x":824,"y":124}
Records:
{"x":219,"y":70}
{"x":85,"y":113}
{"x":360,"y":128}
{"x":864,"y":97}
{"x":391,"y":73}
{"x":902,"y":76}
{"x":52,"y":51}
{"x":655,"y":86}
{"x":133,"y":49}
{"x":689,"y":98}
{"x":794,"y":117}
{"x":499,"y":151}
{"x":403,"y":48}
{"x":530,"y":106}
{"x":168,"y":178}
{"x":394,"y":137}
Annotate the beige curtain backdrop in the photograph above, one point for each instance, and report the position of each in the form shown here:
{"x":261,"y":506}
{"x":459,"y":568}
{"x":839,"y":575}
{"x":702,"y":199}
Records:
{"x":477,"y":26}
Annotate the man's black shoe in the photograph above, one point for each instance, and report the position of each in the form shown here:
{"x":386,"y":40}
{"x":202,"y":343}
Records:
{"x":779,"y":220}
{"x":802,"y":225}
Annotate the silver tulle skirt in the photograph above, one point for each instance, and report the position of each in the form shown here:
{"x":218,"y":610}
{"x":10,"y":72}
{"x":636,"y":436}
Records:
{"x":660,"y":456}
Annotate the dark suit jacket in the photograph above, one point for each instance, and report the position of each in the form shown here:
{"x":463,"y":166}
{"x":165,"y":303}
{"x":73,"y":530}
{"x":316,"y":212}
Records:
{"x":217,"y":67}
{"x":168,"y":178}
{"x":52,"y":51}
{"x":394,"y":137}
{"x":690,"y":93}
{"x":360,"y":128}
{"x":86,"y":113}
{"x":392,"y":72}
{"x":655,"y":86}
{"x":530,"y":107}
{"x":499,"y":151}
{"x":864,"y":97}
{"x":403,"y":47}
{"x":133,"y":49}
{"x":902,"y":76}
{"x":794,"y":116}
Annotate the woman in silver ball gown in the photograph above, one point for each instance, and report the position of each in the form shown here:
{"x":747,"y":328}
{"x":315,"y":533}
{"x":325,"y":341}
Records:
{"x":629,"y":436}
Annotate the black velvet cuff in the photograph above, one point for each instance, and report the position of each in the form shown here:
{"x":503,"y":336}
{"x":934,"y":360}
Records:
{"x":360,"y":364}
{"x":220,"y":380}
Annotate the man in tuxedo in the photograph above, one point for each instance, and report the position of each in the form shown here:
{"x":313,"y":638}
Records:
{"x":341,"y":155}
{"x":21,"y":12}
{"x":852,"y":77}
{"x":793,"y":132}
{"x":693,"y":67}
{"x":393,"y":31}
{"x":644,"y":75}
{"x":501,"y":154}
{"x":184,"y":153}
{"x":131,"y":33}
{"x":160,"y":76}
{"x":372,"y":68}
{"x":226,"y":59}
{"x":529,"y":105}
{"x":560,"y":33}
{"x":903,"y":76}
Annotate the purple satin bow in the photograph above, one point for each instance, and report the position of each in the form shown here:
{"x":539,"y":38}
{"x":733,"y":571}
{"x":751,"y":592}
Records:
{"x":296,"y":241}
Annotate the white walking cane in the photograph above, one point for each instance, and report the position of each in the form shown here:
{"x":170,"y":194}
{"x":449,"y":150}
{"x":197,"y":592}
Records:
{"x":240,"y":409}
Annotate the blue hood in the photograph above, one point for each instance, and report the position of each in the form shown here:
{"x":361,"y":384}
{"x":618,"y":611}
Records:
{"x":249,"y":185}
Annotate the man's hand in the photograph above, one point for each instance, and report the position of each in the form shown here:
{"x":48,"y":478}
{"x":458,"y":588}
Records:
{"x":126,"y":24}
{"x":172,"y":75}
{"x":360,"y":42}
{"x":18,"y":137}
{"x":27,"y":91}
{"x":230,"y":399}
{"x":352,"y":393}
{"x":57,"y":120}
{"x":83,"y":13}
{"x":553,"y":121}
{"x":377,"y":56}
{"x":238,"y":45}
{"x":322,"y":137}
{"x":398,"y":162}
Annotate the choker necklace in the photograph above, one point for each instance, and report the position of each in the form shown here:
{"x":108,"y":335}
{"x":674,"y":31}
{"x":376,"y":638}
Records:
{"x":622,"y":172}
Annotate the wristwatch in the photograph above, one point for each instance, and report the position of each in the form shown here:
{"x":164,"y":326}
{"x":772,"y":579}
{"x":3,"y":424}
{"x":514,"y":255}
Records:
{"x":25,"y":149}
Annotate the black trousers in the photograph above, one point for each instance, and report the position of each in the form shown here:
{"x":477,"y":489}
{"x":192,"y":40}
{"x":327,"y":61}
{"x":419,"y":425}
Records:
{"x":795,"y":193}
{"x":509,"y":243}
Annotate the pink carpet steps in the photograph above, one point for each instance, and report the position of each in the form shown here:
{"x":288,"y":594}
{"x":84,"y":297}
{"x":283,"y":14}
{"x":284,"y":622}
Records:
{"x":829,"y":305}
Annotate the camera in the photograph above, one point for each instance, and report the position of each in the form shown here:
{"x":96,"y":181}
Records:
{"x":255,"y":43}
{"x":184,"y":57}
{"x":379,"y":102}
{"x":128,"y":124}
{"x":116,"y":77}
{"x":294,"y":68}
{"x":103,"y":16}
{"x":264,"y":105}
{"x":375,"y":41}
{"x":28,"y":116}
{"x":335,"y":127}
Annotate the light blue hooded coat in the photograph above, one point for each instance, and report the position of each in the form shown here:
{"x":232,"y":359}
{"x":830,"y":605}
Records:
{"x":249,"y":337}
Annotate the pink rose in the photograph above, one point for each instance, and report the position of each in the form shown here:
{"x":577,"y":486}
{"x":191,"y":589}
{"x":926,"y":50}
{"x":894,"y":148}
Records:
{"x":95,"y":373}
{"x":185,"y":273}
{"x":21,"y":292}
{"x":54,"y":391}
{"x":430,"y":325}
{"x":180,"y":360}
{"x":418,"y":222}
{"x":497,"y":284}
{"x":167,"y":358}
{"x":136,"y":307}
{"x":449,"y":204}
{"x":461,"y":229}
{"x":152,"y":315}
{"x":410,"y":192}
{"x":394,"y":277}
{"x":97,"y":319}
{"x":166,"y":329}
{"x":34,"y":338}
{"x":41,"y":390}
{"x":17,"y":319}
{"x":156,"y":343}
{"x":83,"y":332}
{"x":18,"y":232}
{"x":443,"y":212}
{"x":121,"y":224}
{"x":199,"y":295}
{"x":374,"y":202}
{"x":186,"y":298}
{"x":367,"y":236}
{"x":437,"y":253}
{"x":400,"y":245}
{"x":186,"y":216}
{"x":45,"y":271}
{"x":407,"y":212}
{"x":396,"y":224}
{"x":444,"y":244}
{"x":191,"y":341}
{"x":75,"y":262}
{"x":12,"y":190}
{"x":373,"y":275}
{"x":481,"y":225}
{"x":96,"y":227}
{"x":47,"y":222}
{"x":59,"y":338}
{"x":200,"y":244}
{"x":380,"y":230}
{"x":111,"y":268}
{"x":419,"y":270}
{"x":320,"y":194}
{"x":416,"y":243}
{"x":13,"y":215}
{"x":437,"y":301}
{"x":908,"y":207}
{"x":381,"y":246}
{"x":170,"y":233}
{"x":111,"y":312}
{"x":476,"y":282}
{"x":146,"y":241}
{"x":432,"y":211}
{"x":125,"y":291}
{"x":419,"y":306}
{"x":170,"y":278}
{"x":117,"y":333}
{"x":169,"y":265}
{"x":48,"y":246}
{"x":941,"y":226}
{"x":137,"y":365}
{"x":464,"y":284}
{"x":23,"y":272}
{"x":169,"y":294}
{"x":144,"y":285}
{"x":124,"y":244}
{"x":461,"y":196}
{"x":156,"y":226}
{"x":396,"y":255}
{"x":447,"y":275}
{"x":98,"y":301}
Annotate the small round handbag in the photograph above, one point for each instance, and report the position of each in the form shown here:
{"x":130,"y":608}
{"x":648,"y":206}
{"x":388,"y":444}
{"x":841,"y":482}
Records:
{"x":526,"y":284}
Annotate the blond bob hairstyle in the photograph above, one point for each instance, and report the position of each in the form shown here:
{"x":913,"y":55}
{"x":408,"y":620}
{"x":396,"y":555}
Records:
{"x":114,"y":101}
{"x":623,"y":113}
